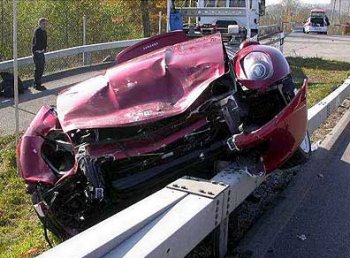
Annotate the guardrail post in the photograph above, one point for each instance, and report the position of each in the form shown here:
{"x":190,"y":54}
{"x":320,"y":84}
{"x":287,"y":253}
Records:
{"x":221,"y":239}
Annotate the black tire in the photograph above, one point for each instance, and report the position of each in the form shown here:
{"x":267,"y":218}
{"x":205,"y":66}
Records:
{"x":301,"y":155}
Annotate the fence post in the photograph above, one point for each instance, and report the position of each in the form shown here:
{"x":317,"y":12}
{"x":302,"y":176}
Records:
{"x":160,"y":23}
{"x":15,"y":72}
{"x":282,"y":36}
{"x":85,"y":58}
{"x":168,"y":11}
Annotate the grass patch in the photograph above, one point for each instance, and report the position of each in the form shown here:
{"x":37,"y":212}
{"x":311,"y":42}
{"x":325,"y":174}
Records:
{"x":324,"y":75}
{"x":21,"y":234}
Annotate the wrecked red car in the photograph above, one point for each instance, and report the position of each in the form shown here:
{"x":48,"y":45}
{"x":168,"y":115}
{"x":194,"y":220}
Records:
{"x":170,"y":107}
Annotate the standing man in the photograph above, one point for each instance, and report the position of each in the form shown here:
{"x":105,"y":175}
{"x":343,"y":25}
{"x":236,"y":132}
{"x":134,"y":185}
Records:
{"x":39,"y":48}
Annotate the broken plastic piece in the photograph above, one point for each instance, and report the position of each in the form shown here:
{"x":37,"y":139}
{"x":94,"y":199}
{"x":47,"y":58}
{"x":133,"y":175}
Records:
{"x":302,"y":237}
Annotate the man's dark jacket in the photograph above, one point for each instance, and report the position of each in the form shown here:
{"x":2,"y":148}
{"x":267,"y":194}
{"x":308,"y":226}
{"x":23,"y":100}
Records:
{"x":39,"y":40}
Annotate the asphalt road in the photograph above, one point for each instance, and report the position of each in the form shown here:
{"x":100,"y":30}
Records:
{"x":331,"y":47}
{"x":314,"y":45}
{"x":312,"y":217}
{"x":31,"y":101}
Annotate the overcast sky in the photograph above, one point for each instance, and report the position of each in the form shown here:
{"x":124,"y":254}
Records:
{"x":304,"y":1}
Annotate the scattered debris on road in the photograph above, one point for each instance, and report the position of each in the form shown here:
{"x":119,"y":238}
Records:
{"x":302,"y":237}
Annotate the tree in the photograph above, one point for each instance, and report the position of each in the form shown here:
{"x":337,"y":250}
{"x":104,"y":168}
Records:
{"x":144,"y":5}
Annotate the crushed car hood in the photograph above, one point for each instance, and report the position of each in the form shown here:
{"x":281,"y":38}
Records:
{"x":148,"y":88}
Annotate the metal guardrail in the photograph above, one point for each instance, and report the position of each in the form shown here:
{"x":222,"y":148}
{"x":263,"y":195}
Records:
{"x":264,"y":31}
{"x":319,"y":112}
{"x":71,"y":51}
{"x":168,"y":223}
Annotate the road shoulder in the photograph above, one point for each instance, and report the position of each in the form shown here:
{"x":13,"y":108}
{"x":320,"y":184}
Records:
{"x":317,"y":191}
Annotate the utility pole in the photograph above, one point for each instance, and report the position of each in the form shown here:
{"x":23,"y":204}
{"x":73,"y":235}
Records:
{"x":144,"y":5}
{"x":15,"y":71}
{"x":333,"y":9}
{"x":339,"y":14}
{"x":2,"y":24}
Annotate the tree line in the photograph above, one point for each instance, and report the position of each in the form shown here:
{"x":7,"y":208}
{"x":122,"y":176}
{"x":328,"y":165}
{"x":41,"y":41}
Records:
{"x":107,"y":20}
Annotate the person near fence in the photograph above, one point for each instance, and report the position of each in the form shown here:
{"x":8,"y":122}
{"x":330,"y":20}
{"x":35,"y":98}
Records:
{"x":39,"y":48}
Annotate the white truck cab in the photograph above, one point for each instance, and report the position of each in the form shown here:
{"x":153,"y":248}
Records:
{"x":218,"y":15}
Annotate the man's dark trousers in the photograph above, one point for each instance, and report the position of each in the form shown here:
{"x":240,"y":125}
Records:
{"x":39,"y":61}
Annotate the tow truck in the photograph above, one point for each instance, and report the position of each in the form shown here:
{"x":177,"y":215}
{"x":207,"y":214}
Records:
{"x":237,"y":20}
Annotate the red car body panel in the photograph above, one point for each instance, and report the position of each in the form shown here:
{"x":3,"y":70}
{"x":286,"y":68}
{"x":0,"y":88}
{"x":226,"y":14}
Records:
{"x":280,"y":71}
{"x":284,"y":133}
{"x":32,"y":166}
{"x":150,"y":45}
{"x":150,"y":87}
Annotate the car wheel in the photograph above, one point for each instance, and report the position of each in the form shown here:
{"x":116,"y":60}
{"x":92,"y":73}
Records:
{"x":301,"y":155}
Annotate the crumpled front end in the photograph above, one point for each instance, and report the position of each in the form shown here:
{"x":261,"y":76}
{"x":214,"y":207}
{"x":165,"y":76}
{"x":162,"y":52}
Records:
{"x":41,"y":159}
{"x":281,"y":136}
{"x":160,"y":84}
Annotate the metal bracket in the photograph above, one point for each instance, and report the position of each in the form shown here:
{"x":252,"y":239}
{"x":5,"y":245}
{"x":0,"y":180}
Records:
{"x":201,"y":187}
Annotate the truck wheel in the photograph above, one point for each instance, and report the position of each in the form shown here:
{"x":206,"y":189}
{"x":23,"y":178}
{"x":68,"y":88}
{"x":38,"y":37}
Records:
{"x":301,"y":155}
